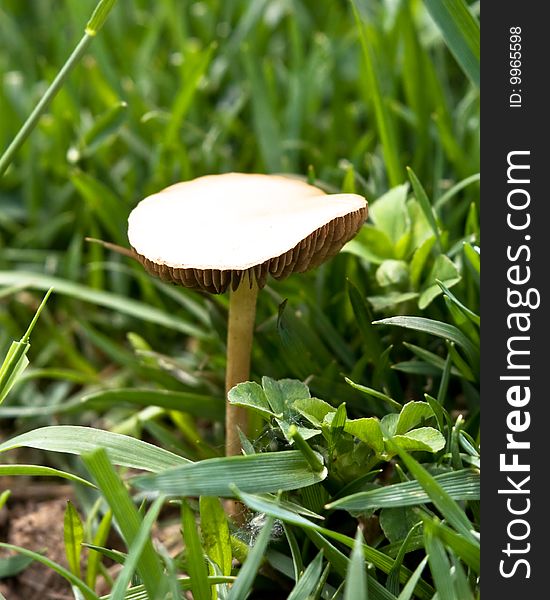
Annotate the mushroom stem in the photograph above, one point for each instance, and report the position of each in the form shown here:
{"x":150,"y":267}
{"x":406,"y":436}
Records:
{"x":240,"y":331}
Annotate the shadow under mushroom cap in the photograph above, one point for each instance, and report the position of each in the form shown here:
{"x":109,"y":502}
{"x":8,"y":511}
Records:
{"x":215,"y":231}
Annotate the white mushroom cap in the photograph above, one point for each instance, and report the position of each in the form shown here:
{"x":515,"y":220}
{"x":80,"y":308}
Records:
{"x":207,"y":232}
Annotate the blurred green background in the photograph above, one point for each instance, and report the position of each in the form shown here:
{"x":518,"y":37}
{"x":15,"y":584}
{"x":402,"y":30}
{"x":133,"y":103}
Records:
{"x":171,"y":90}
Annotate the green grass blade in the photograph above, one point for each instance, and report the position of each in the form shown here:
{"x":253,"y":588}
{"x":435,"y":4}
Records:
{"x":308,"y":581}
{"x":444,"y":383}
{"x":461,"y":546}
{"x":462,"y":586}
{"x":437,"y":328}
{"x":440,"y":498}
{"x":408,"y":590}
{"x":425,"y":204}
{"x":114,"y":302}
{"x":215,"y":533}
{"x":122,"y":449}
{"x":73,"y":532}
{"x":375,"y":394}
{"x":184,"y":99}
{"x":439,"y":565}
{"x":198,"y":405}
{"x":138,"y":592}
{"x":88,"y":593}
{"x":384,"y":119}
{"x":99,"y":539}
{"x":267,"y":472}
{"x":138,"y":547}
{"x":126,"y":515}
{"x":99,"y":16}
{"x":467,"y":312}
{"x":459,"y":485}
{"x":448,"y":195}
{"x":392,"y":583}
{"x":16,"y":360}
{"x":339,"y":563}
{"x":265,"y":122}
{"x":355,"y":587}
{"x":295,"y":551}
{"x":473,"y":257}
{"x":13,"y":565}
{"x":363,"y":316}
{"x":379,"y":559}
{"x":460,"y":31}
{"x":196,"y":564}
{"x":4,"y":497}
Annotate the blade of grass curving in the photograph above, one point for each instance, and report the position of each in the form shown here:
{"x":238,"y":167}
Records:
{"x":266,"y":472}
{"x":243,"y":584}
{"x":95,"y":23}
{"x":307,"y":583}
{"x":431,"y":358}
{"x":126,"y":515}
{"x":459,"y":485}
{"x":437,"y":328}
{"x":38,"y":471}
{"x":121,"y":304}
{"x":198,"y":405}
{"x":355,"y":587}
{"x":123,"y":450}
{"x":375,"y":394}
{"x":462,"y":321}
{"x":460,"y":31}
{"x":469,"y":313}
{"x":114,"y":555}
{"x":88,"y":593}
{"x":136,"y":551}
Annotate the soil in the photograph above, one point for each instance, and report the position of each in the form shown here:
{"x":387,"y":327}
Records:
{"x":33,"y":519}
{"x":36,"y":524}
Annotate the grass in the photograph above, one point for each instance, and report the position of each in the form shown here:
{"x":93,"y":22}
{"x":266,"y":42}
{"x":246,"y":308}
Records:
{"x":360,"y":367}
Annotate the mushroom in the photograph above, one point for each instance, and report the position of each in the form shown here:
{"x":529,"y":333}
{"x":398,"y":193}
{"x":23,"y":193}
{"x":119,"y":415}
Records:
{"x":232,"y":231}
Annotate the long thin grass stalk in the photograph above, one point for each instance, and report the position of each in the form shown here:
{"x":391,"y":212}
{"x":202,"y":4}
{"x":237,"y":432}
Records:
{"x":95,"y":23}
